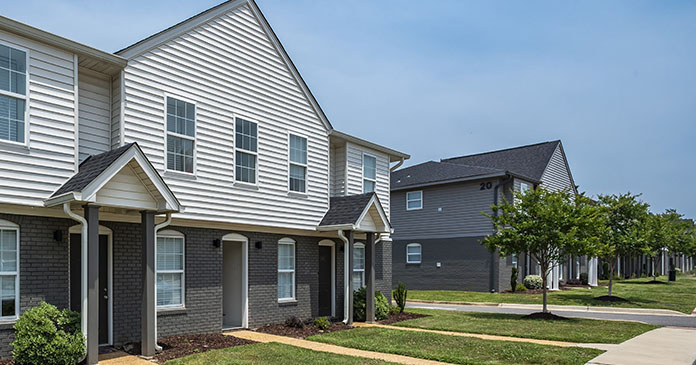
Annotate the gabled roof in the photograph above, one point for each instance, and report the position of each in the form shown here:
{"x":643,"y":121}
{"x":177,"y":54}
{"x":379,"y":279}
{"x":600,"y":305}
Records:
{"x":352,"y":211}
{"x":431,"y":172}
{"x":530,"y":160}
{"x":97,"y":171}
{"x":187,"y":25}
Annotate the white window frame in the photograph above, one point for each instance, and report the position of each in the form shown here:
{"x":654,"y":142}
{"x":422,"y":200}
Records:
{"x":172,"y":234}
{"x":359,"y":245}
{"x":20,"y":96}
{"x":256,"y":154}
{"x":305,"y":165}
{"x":412,"y":200}
{"x":174,"y":134}
{"x":363,"y":172}
{"x":9,"y":226}
{"x":514,"y":260}
{"x":420,"y":253}
{"x":524,"y":187}
{"x":289,"y":242}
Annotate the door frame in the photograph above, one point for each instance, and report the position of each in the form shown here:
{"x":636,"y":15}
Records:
{"x":236,"y":237}
{"x":77,"y":229}
{"x":332,"y":244}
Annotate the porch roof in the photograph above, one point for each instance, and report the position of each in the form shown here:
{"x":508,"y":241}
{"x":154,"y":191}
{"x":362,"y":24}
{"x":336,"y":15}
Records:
{"x":122,"y":177}
{"x":362,"y":212}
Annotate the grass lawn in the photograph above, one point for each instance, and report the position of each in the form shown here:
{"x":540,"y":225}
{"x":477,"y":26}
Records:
{"x":679,"y":295}
{"x":459,"y":350}
{"x":269,"y":353}
{"x":572,"y":330}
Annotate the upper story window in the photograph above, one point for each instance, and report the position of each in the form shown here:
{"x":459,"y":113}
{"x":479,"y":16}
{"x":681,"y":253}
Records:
{"x":414,"y":200}
{"x":369,"y":173}
{"x":181,"y":135}
{"x":298,"y":164}
{"x":246,"y":140}
{"x":9,"y":278}
{"x":170,"y":269}
{"x":286,"y":269}
{"x":358,"y":266}
{"x":524,"y":187}
{"x":13,"y":93}
{"x":413,"y":253}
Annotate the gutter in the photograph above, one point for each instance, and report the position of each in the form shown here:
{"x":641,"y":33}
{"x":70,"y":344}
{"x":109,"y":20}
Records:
{"x":491,"y":281}
{"x":398,"y":164}
{"x":167,"y":221}
{"x":346,"y":262}
{"x":83,"y":268}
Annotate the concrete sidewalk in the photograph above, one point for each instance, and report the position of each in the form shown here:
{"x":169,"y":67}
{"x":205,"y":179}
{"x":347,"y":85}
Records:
{"x":568,"y":308}
{"x":667,"y":345}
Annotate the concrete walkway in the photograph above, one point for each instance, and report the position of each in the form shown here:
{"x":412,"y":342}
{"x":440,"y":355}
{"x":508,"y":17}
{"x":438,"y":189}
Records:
{"x":667,"y":345}
{"x":681,"y":320}
{"x":475,"y":335}
{"x":121,"y":358}
{"x":323,"y":347}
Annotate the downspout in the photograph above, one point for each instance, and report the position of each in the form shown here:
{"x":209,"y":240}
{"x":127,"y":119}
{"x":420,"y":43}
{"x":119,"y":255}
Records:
{"x":491,"y":281}
{"x":398,"y":164}
{"x":167,"y":221}
{"x":83,"y":272}
{"x":346,"y":294}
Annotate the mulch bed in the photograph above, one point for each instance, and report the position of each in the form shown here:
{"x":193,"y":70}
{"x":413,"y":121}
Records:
{"x":405,"y":316}
{"x":179,"y":346}
{"x":546,"y":316}
{"x":281,"y":329}
{"x":528,"y":291}
{"x":6,"y":362}
{"x":613,"y":298}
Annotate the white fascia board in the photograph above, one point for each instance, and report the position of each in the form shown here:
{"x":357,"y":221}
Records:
{"x":359,"y":141}
{"x":336,"y":227}
{"x":374,"y":202}
{"x":63,"y":198}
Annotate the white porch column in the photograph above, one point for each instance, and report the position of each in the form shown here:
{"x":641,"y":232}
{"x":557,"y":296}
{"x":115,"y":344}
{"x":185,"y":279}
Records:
{"x":553,"y":277}
{"x":592,"y":271}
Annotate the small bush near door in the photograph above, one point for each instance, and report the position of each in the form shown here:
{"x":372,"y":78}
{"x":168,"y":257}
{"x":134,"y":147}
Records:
{"x":513,"y":280}
{"x":381,"y":305}
{"x":584,"y":278}
{"x":46,"y":335}
{"x":533,"y":282}
{"x":399,"y":295}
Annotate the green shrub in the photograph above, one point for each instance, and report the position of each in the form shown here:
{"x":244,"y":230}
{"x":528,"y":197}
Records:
{"x":513,"y":279}
{"x":399,"y":295}
{"x":381,"y":305}
{"x":394,"y":310}
{"x":294,"y":322}
{"x":583,"y":278}
{"x":520,"y":287}
{"x":533,"y":282}
{"x":46,"y":335}
{"x":322,"y":323}
{"x":605,"y":271}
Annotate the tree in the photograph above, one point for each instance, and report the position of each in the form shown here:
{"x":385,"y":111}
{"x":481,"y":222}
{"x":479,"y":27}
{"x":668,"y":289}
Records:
{"x":547,"y":225}
{"x":658,"y":234}
{"x":623,"y":217}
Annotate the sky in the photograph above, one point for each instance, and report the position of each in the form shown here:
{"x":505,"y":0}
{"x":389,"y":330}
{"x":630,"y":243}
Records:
{"x":614,"y":80}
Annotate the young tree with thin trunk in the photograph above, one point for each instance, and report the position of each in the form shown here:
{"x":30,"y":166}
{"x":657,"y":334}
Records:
{"x":548,"y":225}
{"x":624,"y":216}
{"x":658,"y":233}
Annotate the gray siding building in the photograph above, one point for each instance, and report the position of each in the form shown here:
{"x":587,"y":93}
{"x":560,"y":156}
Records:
{"x":440,"y":213}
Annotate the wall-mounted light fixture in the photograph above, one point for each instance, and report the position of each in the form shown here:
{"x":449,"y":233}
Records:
{"x":258,"y":244}
{"x":58,"y":236}
{"x":217,"y":242}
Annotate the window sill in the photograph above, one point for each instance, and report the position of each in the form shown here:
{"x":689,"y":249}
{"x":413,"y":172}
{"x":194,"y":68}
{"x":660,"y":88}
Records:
{"x":13,"y":147}
{"x":247,"y":186}
{"x":295,"y":194}
{"x":173,"y":311}
{"x":180,"y":175}
{"x":6,"y":324}
{"x":287,"y":302}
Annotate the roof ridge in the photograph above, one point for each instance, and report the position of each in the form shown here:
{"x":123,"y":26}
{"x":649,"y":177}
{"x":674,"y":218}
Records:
{"x":501,"y":150}
{"x":468,"y":165}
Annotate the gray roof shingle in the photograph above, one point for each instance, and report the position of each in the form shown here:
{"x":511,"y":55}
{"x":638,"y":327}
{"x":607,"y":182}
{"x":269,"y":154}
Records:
{"x":525,"y":161}
{"x":345,"y":209}
{"x":90,"y":168}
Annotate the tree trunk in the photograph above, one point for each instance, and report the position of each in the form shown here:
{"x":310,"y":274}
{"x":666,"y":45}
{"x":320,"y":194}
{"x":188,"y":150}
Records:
{"x":611,"y":275}
{"x":545,"y":310}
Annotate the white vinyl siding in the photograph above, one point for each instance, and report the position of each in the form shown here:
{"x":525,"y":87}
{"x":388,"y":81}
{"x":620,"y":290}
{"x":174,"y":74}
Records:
{"x":246,"y":140}
{"x":13,"y":93}
{"x":233,"y":69}
{"x":286,"y":269}
{"x":354,"y":172}
{"x":556,"y":176}
{"x":298,"y":164}
{"x":9,"y":270}
{"x":35,"y":169}
{"x":358,"y":266}
{"x":338,"y":169}
{"x":414,"y":200}
{"x":181,"y":135}
{"x":170,"y":270}
{"x":94,"y":96}
{"x":413,"y":253}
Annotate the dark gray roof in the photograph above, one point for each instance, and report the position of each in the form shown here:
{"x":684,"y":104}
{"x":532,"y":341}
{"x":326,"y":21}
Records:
{"x":90,"y":168}
{"x":346,"y":209}
{"x":526,"y":162}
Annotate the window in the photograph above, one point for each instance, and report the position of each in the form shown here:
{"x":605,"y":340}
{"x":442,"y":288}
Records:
{"x":524,"y":187}
{"x":9,"y":279}
{"x":181,"y":135}
{"x":298,"y":163}
{"x":170,"y":269}
{"x":413,"y":253}
{"x":13,"y":91}
{"x":514,"y":260}
{"x":246,"y":140}
{"x":286,"y":269}
{"x":358,"y":266}
{"x":369,"y":173}
{"x":414,"y":200}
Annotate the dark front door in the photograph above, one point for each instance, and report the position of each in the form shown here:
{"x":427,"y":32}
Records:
{"x":75,"y":281}
{"x":325,"y":280}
